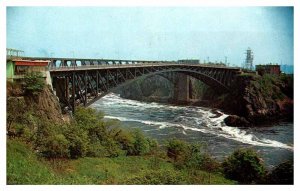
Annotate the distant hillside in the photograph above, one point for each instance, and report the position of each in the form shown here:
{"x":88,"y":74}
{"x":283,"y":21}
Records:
{"x":288,"y":69}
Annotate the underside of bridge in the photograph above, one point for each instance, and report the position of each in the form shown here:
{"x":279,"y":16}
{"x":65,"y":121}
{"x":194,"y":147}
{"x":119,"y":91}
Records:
{"x":85,"y":86}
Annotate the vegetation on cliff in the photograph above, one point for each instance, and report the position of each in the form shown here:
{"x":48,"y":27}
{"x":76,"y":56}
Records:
{"x":261,"y":99}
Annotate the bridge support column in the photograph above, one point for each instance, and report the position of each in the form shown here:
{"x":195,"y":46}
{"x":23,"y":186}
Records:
{"x":181,"y":88}
{"x":61,"y":89}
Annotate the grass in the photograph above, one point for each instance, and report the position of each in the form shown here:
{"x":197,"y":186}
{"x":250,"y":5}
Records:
{"x":24,"y":167}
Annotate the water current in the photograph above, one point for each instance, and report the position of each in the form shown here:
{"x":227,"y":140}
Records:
{"x":199,"y":124}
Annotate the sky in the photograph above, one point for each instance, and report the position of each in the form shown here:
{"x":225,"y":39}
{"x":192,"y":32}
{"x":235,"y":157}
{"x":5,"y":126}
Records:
{"x":154,"y":33}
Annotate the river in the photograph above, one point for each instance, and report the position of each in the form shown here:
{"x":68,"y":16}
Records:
{"x":202,"y":125}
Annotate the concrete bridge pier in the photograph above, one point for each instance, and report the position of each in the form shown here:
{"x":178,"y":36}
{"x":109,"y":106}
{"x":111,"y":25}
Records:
{"x":181,"y":88}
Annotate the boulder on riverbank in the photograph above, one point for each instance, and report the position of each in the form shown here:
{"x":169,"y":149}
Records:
{"x":236,"y":121}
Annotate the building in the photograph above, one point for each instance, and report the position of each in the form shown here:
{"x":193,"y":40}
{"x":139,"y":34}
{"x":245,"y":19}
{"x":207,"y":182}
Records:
{"x":268,"y":69}
{"x":17,"y":68}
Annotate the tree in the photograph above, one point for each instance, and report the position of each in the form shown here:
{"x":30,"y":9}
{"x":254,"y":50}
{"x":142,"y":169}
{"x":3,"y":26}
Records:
{"x":34,"y":82}
{"x":244,"y":165}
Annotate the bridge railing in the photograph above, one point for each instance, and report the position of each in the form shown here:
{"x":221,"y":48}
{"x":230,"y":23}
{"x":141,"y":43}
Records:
{"x":104,"y":66}
{"x":110,"y":66}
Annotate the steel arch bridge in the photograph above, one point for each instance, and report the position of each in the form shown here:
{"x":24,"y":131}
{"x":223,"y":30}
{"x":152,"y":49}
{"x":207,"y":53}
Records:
{"x":84,"y":81}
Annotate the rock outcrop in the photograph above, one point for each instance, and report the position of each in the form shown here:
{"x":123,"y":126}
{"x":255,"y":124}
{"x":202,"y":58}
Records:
{"x":261,"y":99}
{"x":43,"y":104}
{"x":236,"y":121}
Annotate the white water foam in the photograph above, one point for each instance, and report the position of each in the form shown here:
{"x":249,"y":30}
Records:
{"x":114,"y":99}
{"x":208,"y":123}
{"x":161,"y":125}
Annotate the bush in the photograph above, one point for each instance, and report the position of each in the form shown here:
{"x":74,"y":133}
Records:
{"x":34,"y":82}
{"x":51,"y":142}
{"x":140,"y":143}
{"x":78,"y":139}
{"x":282,"y":174}
{"x":56,"y":146}
{"x":88,"y":118}
{"x":125,"y":140}
{"x":179,"y":151}
{"x":244,"y":165}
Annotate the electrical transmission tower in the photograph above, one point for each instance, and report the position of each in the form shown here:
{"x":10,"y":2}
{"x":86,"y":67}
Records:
{"x":249,"y":59}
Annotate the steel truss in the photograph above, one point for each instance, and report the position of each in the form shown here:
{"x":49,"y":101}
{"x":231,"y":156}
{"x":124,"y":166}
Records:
{"x":83,"y":86}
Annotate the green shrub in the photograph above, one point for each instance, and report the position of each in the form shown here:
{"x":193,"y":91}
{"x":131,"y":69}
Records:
{"x":202,"y":161}
{"x":50,"y":140}
{"x":34,"y":82}
{"x":177,"y":149}
{"x":88,"y":118}
{"x":125,"y":139}
{"x":78,"y":139}
{"x":112,"y":148}
{"x":140,"y":143}
{"x":153,"y":145}
{"x":56,"y":146}
{"x":244,"y":165}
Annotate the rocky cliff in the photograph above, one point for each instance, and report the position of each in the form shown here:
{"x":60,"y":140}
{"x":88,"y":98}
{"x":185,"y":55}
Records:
{"x":260,"y":99}
{"x":43,"y":104}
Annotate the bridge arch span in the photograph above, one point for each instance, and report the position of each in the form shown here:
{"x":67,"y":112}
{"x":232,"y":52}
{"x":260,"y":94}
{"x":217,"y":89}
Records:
{"x":84,"y":87}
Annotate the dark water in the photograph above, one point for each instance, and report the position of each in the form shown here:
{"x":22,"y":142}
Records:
{"x":199,"y":124}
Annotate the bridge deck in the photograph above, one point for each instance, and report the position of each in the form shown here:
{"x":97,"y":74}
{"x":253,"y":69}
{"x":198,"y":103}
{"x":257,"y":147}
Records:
{"x":116,"y":66}
{"x":112,"y":64}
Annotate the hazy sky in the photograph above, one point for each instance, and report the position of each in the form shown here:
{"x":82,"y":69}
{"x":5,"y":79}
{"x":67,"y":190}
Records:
{"x":154,"y":33}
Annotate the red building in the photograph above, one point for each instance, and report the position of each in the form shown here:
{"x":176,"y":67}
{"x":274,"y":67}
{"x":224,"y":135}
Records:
{"x":268,"y":69}
{"x":24,"y":66}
